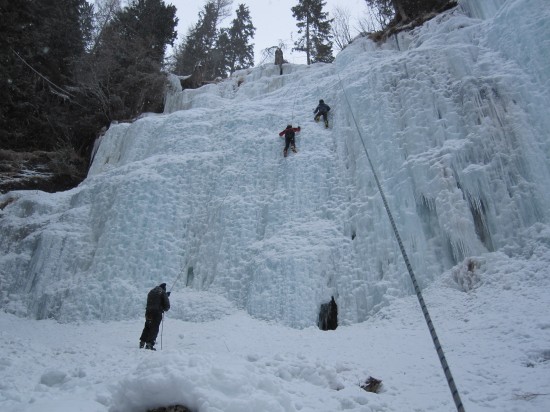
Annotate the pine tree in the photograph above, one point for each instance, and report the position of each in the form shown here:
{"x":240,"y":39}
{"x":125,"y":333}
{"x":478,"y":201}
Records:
{"x":64,"y":76}
{"x":221,"y":54}
{"x":198,"y":41}
{"x":199,"y":46}
{"x":315,"y":28}
{"x":152,"y":24}
{"x":104,"y":13}
{"x":233,"y":51}
{"x":39,"y":44}
{"x":241,"y":52}
{"x":127,"y":64}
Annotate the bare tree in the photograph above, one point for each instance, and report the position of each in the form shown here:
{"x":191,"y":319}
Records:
{"x":269,"y":52}
{"x":381,"y":13}
{"x":341,"y":33}
{"x":105,"y":12}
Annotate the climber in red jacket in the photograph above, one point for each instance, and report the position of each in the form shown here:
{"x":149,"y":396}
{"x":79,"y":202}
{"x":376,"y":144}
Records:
{"x":289,"y":133}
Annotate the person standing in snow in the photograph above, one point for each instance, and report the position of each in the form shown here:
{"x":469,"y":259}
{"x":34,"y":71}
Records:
{"x":322,"y":110}
{"x":289,"y":133}
{"x":279,"y":59}
{"x":157,"y":303}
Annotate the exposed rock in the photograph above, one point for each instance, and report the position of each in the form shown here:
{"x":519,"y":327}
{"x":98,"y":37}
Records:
{"x":39,"y":170}
{"x":372,"y":385}
{"x":399,"y":24}
{"x":173,"y":408}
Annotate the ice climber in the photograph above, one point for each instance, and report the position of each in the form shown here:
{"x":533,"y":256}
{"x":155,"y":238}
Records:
{"x":279,"y":60}
{"x":289,"y":133}
{"x":157,"y":303}
{"x":322,"y":110}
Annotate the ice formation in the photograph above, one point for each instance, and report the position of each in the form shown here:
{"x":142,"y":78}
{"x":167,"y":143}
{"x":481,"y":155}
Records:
{"x":453,"y":115}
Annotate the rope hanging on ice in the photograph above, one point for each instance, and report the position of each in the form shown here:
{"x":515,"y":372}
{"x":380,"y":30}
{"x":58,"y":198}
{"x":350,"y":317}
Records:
{"x":435,"y":339}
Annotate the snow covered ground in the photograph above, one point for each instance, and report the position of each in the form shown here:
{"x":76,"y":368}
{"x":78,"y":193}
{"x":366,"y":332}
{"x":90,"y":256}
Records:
{"x":454,"y":115}
{"x":495,"y":337}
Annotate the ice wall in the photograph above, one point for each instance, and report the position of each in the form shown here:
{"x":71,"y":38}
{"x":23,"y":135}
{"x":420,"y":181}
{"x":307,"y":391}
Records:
{"x":454,"y":120}
{"x":453,"y":115}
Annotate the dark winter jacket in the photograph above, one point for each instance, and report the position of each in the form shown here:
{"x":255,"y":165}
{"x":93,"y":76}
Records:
{"x":157,"y":301}
{"x":278,"y":57}
{"x":322,"y":108}
{"x":290,"y":131}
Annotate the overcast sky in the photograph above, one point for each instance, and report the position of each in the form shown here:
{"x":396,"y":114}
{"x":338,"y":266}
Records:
{"x":272,"y":18}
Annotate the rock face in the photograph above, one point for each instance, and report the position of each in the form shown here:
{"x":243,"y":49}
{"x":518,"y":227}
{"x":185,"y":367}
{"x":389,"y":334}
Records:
{"x":40,"y":170}
{"x":194,"y":80}
{"x":174,"y":408}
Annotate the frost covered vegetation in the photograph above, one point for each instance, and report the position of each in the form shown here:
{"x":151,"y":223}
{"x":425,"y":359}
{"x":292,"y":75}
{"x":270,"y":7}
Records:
{"x":72,"y":67}
{"x":453,"y":115}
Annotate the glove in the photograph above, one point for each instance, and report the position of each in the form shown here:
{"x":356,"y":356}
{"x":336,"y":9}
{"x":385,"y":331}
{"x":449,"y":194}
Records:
{"x":168,"y":294}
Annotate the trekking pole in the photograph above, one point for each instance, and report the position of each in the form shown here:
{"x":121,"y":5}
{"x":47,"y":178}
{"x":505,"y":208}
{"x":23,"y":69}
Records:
{"x":161,"y":330}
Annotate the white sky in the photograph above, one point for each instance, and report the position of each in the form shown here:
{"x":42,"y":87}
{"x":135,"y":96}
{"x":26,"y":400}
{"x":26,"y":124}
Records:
{"x":272,"y":18}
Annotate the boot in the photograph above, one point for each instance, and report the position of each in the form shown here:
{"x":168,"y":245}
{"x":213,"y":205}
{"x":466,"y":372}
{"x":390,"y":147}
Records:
{"x":285,"y":153}
{"x":326,"y":124}
{"x":141,"y":344}
{"x":149,"y":346}
{"x":294,"y":149}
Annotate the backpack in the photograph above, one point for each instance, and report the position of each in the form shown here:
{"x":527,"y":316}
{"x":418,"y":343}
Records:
{"x":289,"y":133}
{"x":323,"y":108}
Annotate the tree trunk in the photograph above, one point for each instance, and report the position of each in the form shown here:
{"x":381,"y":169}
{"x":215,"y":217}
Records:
{"x":399,"y":7}
{"x":308,"y":41}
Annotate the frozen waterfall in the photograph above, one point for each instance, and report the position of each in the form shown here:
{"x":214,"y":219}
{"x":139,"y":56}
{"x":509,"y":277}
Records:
{"x":453,"y":114}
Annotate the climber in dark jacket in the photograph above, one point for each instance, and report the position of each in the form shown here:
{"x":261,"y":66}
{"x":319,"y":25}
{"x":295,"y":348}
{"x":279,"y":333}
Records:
{"x":157,"y":303}
{"x":322,"y":110}
{"x":279,"y":60}
{"x":289,"y":133}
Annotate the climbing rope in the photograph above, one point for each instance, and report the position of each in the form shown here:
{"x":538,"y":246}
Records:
{"x":435,"y":339}
{"x":293,"y":105}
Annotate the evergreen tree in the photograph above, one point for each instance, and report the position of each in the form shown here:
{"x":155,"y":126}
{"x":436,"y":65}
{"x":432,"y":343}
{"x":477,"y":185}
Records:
{"x":39,"y":44}
{"x":385,"y":11}
{"x":199,"y":41}
{"x":315,"y":28}
{"x":104,"y":13}
{"x":232,"y":50}
{"x":125,"y":71}
{"x":223,"y":53}
{"x":63,"y":76}
{"x":152,"y":24}
{"x":241,"y":52}
{"x":199,"y":46}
